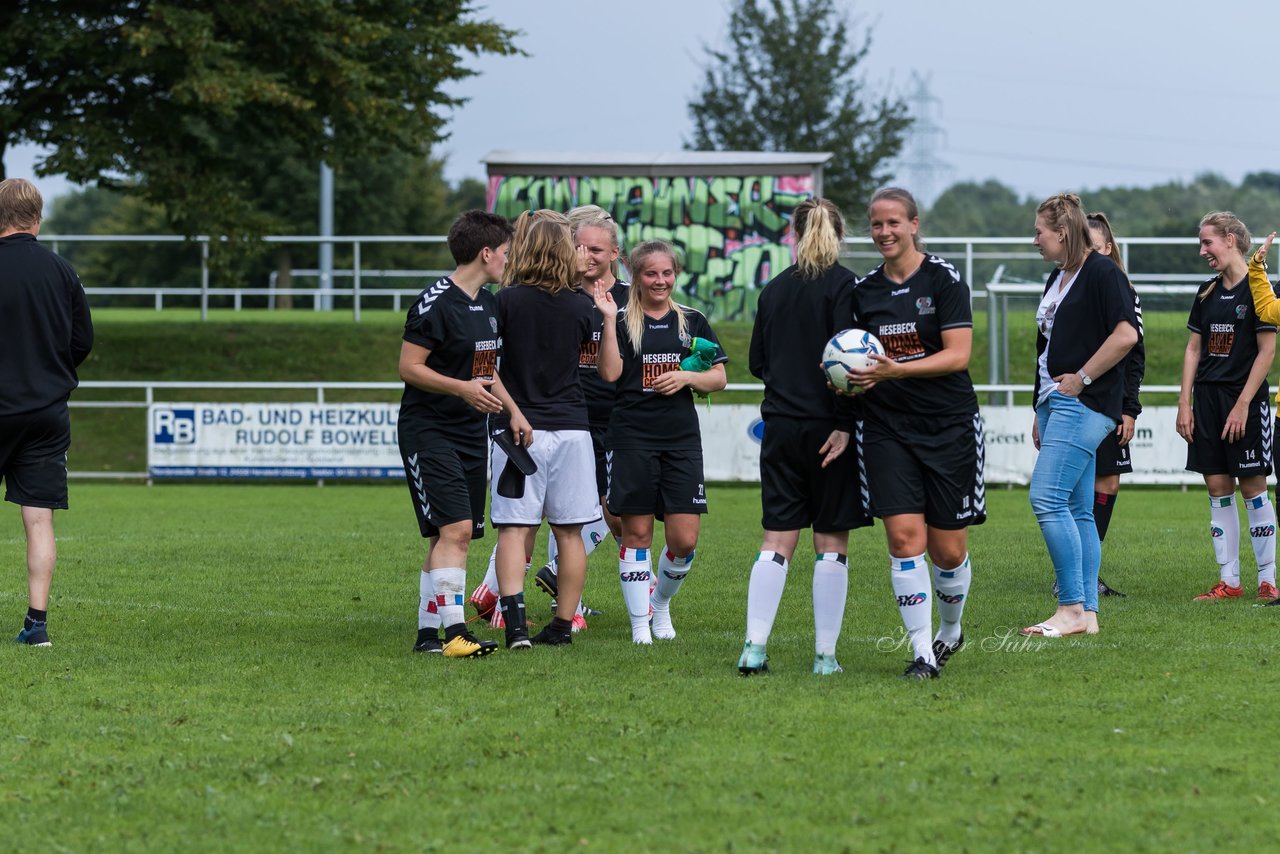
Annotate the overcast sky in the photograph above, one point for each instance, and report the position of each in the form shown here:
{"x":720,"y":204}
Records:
{"x":1042,"y":96}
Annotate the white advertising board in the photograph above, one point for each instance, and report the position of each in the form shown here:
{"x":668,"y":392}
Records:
{"x":273,"y":440}
{"x":308,"y":441}
{"x":731,"y":445}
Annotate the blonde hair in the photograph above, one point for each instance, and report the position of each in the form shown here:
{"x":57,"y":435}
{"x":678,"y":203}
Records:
{"x":545,"y":257}
{"x":908,"y":201}
{"x":1098,"y":222}
{"x":634,"y":317}
{"x":819,"y":234}
{"x":1225,"y":223}
{"x":594,"y":216}
{"x":519,"y":237}
{"x":1065,"y":213}
{"x":21,"y":207}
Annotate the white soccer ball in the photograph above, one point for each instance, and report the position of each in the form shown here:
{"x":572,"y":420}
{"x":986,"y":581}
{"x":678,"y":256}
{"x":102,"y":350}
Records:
{"x":849,"y":350}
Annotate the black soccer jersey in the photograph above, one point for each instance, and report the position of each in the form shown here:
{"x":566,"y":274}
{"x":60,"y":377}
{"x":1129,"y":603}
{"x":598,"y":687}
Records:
{"x":462,"y":335}
{"x":643,"y":418}
{"x":909,"y":319}
{"x":1228,"y":329}
{"x":600,"y":394}
{"x":795,"y":318}
{"x":542,"y":336}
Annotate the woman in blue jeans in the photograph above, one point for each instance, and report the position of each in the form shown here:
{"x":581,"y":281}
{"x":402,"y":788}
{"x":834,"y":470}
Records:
{"x":1086,"y":325}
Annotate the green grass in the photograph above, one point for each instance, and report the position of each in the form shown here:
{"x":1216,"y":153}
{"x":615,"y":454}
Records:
{"x":231,"y":671}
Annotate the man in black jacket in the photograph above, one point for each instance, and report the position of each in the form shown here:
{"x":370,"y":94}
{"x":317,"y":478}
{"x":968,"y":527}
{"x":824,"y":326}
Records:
{"x":45,"y":332}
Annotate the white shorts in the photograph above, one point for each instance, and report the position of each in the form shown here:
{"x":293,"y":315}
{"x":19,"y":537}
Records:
{"x":563,"y":488}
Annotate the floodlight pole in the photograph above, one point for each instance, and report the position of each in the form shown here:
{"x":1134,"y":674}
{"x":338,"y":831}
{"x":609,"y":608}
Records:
{"x":325,"y":301}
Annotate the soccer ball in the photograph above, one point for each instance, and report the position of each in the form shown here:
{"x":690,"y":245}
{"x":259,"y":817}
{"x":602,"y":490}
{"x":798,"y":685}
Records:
{"x":847,"y":351}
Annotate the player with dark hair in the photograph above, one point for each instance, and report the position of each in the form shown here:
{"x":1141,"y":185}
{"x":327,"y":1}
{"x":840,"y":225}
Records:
{"x":45,"y":333}
{"x":1113,"y":457}
{"x":923,"y":437}
{"x":545,"y":319}
{"x":1224,"y":411}
{"x":808,"y":464}
{"x":448,"y":361}
{"x":654,"y":441}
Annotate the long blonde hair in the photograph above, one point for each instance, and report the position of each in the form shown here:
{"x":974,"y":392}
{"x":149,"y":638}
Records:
{"x":819,"y":236}
{"x":519,"y":238}
{"x":544,"y":257}
{"x":634,"y":316}
{"x":1064,"y":211}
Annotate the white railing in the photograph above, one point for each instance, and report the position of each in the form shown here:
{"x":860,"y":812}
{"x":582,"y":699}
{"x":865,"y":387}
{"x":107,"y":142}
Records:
{"x":963,"y":251}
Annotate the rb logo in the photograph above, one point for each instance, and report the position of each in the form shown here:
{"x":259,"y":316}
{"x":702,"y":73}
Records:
{"x":174,"y":426}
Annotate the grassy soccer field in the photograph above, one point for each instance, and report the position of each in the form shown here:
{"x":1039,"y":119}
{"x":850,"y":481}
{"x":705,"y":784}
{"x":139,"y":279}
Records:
{"x":231,"y":671}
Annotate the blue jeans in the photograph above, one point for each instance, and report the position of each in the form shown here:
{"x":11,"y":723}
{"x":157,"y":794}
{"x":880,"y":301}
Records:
{"x":1062,"y":494}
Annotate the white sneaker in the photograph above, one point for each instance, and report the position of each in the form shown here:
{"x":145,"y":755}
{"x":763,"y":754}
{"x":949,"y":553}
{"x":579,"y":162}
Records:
{"x":640,"y":634}
{"x":661,"y":622}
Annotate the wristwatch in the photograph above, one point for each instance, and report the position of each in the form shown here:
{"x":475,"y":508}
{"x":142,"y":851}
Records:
{"x":1084,"y":378}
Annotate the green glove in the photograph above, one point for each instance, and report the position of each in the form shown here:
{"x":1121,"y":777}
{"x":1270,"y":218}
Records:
{"x":702,"y":353}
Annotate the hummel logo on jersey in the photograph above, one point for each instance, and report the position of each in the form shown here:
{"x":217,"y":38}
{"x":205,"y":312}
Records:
{"x":899,"y":292}
{"x":433,"y":293}
{"x":475,"y":308}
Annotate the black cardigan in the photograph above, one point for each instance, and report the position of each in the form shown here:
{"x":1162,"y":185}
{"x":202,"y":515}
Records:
{"x":1099,"y":299}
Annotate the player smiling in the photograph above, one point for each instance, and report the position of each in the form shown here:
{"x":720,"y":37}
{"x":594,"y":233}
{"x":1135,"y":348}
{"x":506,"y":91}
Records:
{"x":923,"y":438}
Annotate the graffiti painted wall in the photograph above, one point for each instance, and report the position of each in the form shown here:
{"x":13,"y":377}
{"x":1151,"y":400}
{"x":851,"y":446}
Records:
{"x":734,"y":231}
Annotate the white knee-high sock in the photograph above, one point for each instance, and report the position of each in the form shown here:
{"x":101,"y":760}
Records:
{"x":428,"y":614}
{"x":635,"y":575}
{"x":910,"y":577}
{"x":1225,"y":529}
{"x":951,"y":586}
{"x":672,"y":570}
{"x":1262,"y":532}
{"x":764,"y":593}
{"x":593,"y":534}
{"x":449,"y":583}
{"x":491,"y":574}
{"x":830,"y":588}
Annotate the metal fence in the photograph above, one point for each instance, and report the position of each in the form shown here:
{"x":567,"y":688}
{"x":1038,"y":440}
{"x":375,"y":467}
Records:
{"x":982,"y":260}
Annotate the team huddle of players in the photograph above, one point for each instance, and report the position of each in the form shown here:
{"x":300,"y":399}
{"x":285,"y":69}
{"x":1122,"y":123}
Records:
{"x":578,"y":390}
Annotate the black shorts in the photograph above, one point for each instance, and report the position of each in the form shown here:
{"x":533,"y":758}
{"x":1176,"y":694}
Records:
{"x":602,"y":464}
{"x":1209,"y":454}
{"x":1112,"y":457}
{"x":796,"y":492}
{"x":929,"y":465}
{"x":645,"y":481}
{"x":33,"y":457}
{"x":447,"y":480}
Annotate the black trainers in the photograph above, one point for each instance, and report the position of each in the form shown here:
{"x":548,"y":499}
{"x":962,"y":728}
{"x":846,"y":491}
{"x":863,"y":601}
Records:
{"x":1105,"y":590}
{"x":942,"y":652}
{"x":35,"y":635}
{"x":518,"y":638}
{"x":428,"y":642}
{"x":547,"y":581}
{"x":920,"y":669}
{"x":550,"y":637}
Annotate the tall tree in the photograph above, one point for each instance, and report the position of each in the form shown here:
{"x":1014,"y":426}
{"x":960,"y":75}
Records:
{"x":789,"y":81}
{"x":170,"y":99}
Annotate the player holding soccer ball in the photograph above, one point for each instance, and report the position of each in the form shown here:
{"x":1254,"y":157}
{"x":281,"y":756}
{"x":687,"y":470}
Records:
{"x":807,"y":460}
{"x":923,"y":437}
